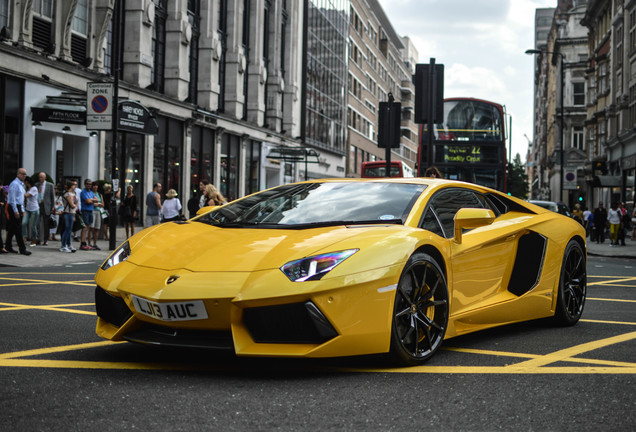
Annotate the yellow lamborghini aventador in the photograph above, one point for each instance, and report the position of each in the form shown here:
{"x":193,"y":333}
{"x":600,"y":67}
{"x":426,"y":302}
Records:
{"x":344,"y":267}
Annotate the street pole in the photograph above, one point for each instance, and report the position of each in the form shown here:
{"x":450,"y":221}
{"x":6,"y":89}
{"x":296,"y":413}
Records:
{"x":562,"y":129}
{"x":112,"y":244}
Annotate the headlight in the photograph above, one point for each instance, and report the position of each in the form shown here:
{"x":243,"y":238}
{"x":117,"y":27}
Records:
{"x":119,"y":256}
{"x":315,"y":267}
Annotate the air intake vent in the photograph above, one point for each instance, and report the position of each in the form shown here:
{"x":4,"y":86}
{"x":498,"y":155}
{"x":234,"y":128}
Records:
{"x":528,"y":263}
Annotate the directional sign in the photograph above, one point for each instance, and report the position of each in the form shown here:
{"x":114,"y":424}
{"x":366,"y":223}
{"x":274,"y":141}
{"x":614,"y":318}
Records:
{"x":99,"y":110}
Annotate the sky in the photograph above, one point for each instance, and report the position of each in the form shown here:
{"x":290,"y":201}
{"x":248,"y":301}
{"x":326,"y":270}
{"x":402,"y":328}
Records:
{"x":482,"y":45}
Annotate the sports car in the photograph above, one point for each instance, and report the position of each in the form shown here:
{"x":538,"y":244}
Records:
{"x":343,"y":267}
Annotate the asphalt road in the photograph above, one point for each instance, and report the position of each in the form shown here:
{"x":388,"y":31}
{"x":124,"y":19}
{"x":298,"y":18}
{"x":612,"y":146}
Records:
{"x":56,"y":374}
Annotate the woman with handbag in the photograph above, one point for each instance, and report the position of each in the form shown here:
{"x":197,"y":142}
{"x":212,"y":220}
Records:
{"x":171,"y":208}
{"x":128,"y":211}
{"x":68,"y":216}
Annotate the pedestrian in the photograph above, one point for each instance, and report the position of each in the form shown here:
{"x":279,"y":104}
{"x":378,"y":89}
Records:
{"x":600,"y":222}
{"x":577,"y":214}
{"x":589,"y":227}
{"x":171,"y":207}
{"x":15,"y":211}
{"x":107,"y":199}
{"x":128,"y":211}
{"x":213,"y":196}
{"x":31,"y":213}
{"x":586,"y":220}
{"x":614,"y":219}
{"x":432,"y":172}
{"x":77,"y":192}
{"x":3,"y":212}
{"x":202,"y":198}
{"x":88,"y":200}
{"x":58,"y":210}
{"x":68,"y":216}
{"x":46,"y":201}
{"x":625,"y":223}
{"x":98,"y":215}
{"x":153,"y":205}
{"x":634,"y":223}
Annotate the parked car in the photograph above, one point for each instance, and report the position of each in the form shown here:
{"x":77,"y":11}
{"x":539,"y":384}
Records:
{"x":341,"y":267}
{"x":555,"y":206}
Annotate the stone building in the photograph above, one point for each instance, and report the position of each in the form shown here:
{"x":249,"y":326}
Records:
{"x":380,"y":63}
{"x":611,"y":97}
{"x":559,"y":152}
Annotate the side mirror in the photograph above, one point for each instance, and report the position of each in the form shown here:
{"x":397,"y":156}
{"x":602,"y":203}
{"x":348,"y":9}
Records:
{"x":206,"y":209}
{"x":468,"y":218}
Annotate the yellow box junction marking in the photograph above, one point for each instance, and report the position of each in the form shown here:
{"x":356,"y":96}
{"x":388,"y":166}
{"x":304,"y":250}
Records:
{"x":531,"y":363}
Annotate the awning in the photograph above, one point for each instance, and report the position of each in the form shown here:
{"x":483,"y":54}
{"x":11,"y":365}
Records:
{"x":294,"y":154}
{"x":606,"y":181}
{"x":66,"y":108}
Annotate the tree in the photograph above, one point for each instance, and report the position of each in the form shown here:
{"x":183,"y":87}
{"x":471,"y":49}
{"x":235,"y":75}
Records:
{"x":517,"y":180}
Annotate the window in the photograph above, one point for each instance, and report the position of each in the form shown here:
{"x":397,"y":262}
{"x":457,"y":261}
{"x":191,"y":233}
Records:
{"x":602,"y":79}
{"x":577,"y":138}
{"x":193,"y":64}
{"x":159,"y":48}
{"x":42,"y":25}
{"x":80,"y":30}
{"x":439,"y":215}
{"x":579,"y":93}
{"x":4,"y":13}
{"x":222,"y":32}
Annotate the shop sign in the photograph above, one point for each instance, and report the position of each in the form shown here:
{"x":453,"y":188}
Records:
{"x":134,"y":117}
{"x":58,"y":116}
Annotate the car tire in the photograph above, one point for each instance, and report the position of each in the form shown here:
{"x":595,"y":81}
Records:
{"x":572,"y":286}
{"x":420,"y":311}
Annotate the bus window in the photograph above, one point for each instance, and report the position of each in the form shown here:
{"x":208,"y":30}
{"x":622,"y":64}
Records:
{"x":377,"y":169}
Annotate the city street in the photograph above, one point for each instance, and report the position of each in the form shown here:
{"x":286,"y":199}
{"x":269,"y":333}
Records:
{"x":56,"y":374}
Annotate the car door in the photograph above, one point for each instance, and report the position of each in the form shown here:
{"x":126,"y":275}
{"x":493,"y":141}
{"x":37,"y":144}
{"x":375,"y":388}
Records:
{"x":481,"y":264}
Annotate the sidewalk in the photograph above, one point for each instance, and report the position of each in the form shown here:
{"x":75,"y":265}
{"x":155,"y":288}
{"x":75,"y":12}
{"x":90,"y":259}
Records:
{"x":46,"y":256}
{"x":50,"y":255}
{"x":604,"y":249}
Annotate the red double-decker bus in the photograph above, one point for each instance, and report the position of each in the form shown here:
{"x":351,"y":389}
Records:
{"x":469,"y":145}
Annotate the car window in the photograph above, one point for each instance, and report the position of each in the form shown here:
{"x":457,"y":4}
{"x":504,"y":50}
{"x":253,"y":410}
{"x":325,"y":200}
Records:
{"x":443,"y":206}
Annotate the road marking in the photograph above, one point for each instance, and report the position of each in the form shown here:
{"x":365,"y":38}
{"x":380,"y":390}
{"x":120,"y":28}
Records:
{"x":56,"y":308}
{"x":612,"y":281}
{"x":566,"y":354}
{"x":611,"y":300}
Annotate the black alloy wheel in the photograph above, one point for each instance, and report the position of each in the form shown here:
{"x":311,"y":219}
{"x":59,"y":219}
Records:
{"x":572,"y":285}
{"x":420,"y":313}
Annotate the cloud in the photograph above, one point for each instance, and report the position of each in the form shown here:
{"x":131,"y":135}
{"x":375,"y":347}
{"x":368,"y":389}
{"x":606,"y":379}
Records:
{"x":482,"y":45}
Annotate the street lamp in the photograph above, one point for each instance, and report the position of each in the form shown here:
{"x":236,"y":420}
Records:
{"x":561,"y":119}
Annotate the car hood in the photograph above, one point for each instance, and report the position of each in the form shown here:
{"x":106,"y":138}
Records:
{"x":197,"y":246}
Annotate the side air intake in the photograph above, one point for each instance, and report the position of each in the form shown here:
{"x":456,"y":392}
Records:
{"x":528,"y":263}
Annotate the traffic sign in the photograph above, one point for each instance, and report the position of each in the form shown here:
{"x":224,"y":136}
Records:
{"x":99,"y":111}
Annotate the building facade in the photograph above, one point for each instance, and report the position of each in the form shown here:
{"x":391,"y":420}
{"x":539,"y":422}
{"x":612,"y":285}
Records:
{"x":559,"y":153}
{"x":611,"y":108}
{"x":380,"y":63}
{"x":219,"y":84}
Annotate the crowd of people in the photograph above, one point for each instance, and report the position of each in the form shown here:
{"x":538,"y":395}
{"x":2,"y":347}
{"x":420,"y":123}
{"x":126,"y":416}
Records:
{"x":36,"y":212}
{"x":616,"y":223}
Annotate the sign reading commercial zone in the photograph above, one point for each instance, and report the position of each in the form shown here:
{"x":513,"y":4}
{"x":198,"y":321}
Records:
{"x":99,"y":97}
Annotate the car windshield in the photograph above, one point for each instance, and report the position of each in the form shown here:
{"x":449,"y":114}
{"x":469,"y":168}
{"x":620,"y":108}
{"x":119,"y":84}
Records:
{"x":319,"y":204}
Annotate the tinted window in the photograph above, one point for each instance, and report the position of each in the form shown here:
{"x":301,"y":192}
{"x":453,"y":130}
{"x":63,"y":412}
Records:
{"x":299,"y":205}
{"x":442,"y":209}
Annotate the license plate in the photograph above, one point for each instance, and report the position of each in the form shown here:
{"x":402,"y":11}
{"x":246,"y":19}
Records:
{"x":177,"y":311}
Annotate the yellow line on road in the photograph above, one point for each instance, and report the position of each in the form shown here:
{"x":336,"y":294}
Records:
{"x":608,"y":322}
{"x":64,"y":348}
{"x":57,"y":308}
{"x":568,"y":353}
{"x":625,"y":279}
{"x":611,"y":300}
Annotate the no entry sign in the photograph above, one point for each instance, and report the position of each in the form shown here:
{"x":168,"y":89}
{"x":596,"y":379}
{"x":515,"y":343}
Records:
{"x":99,"y":98}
